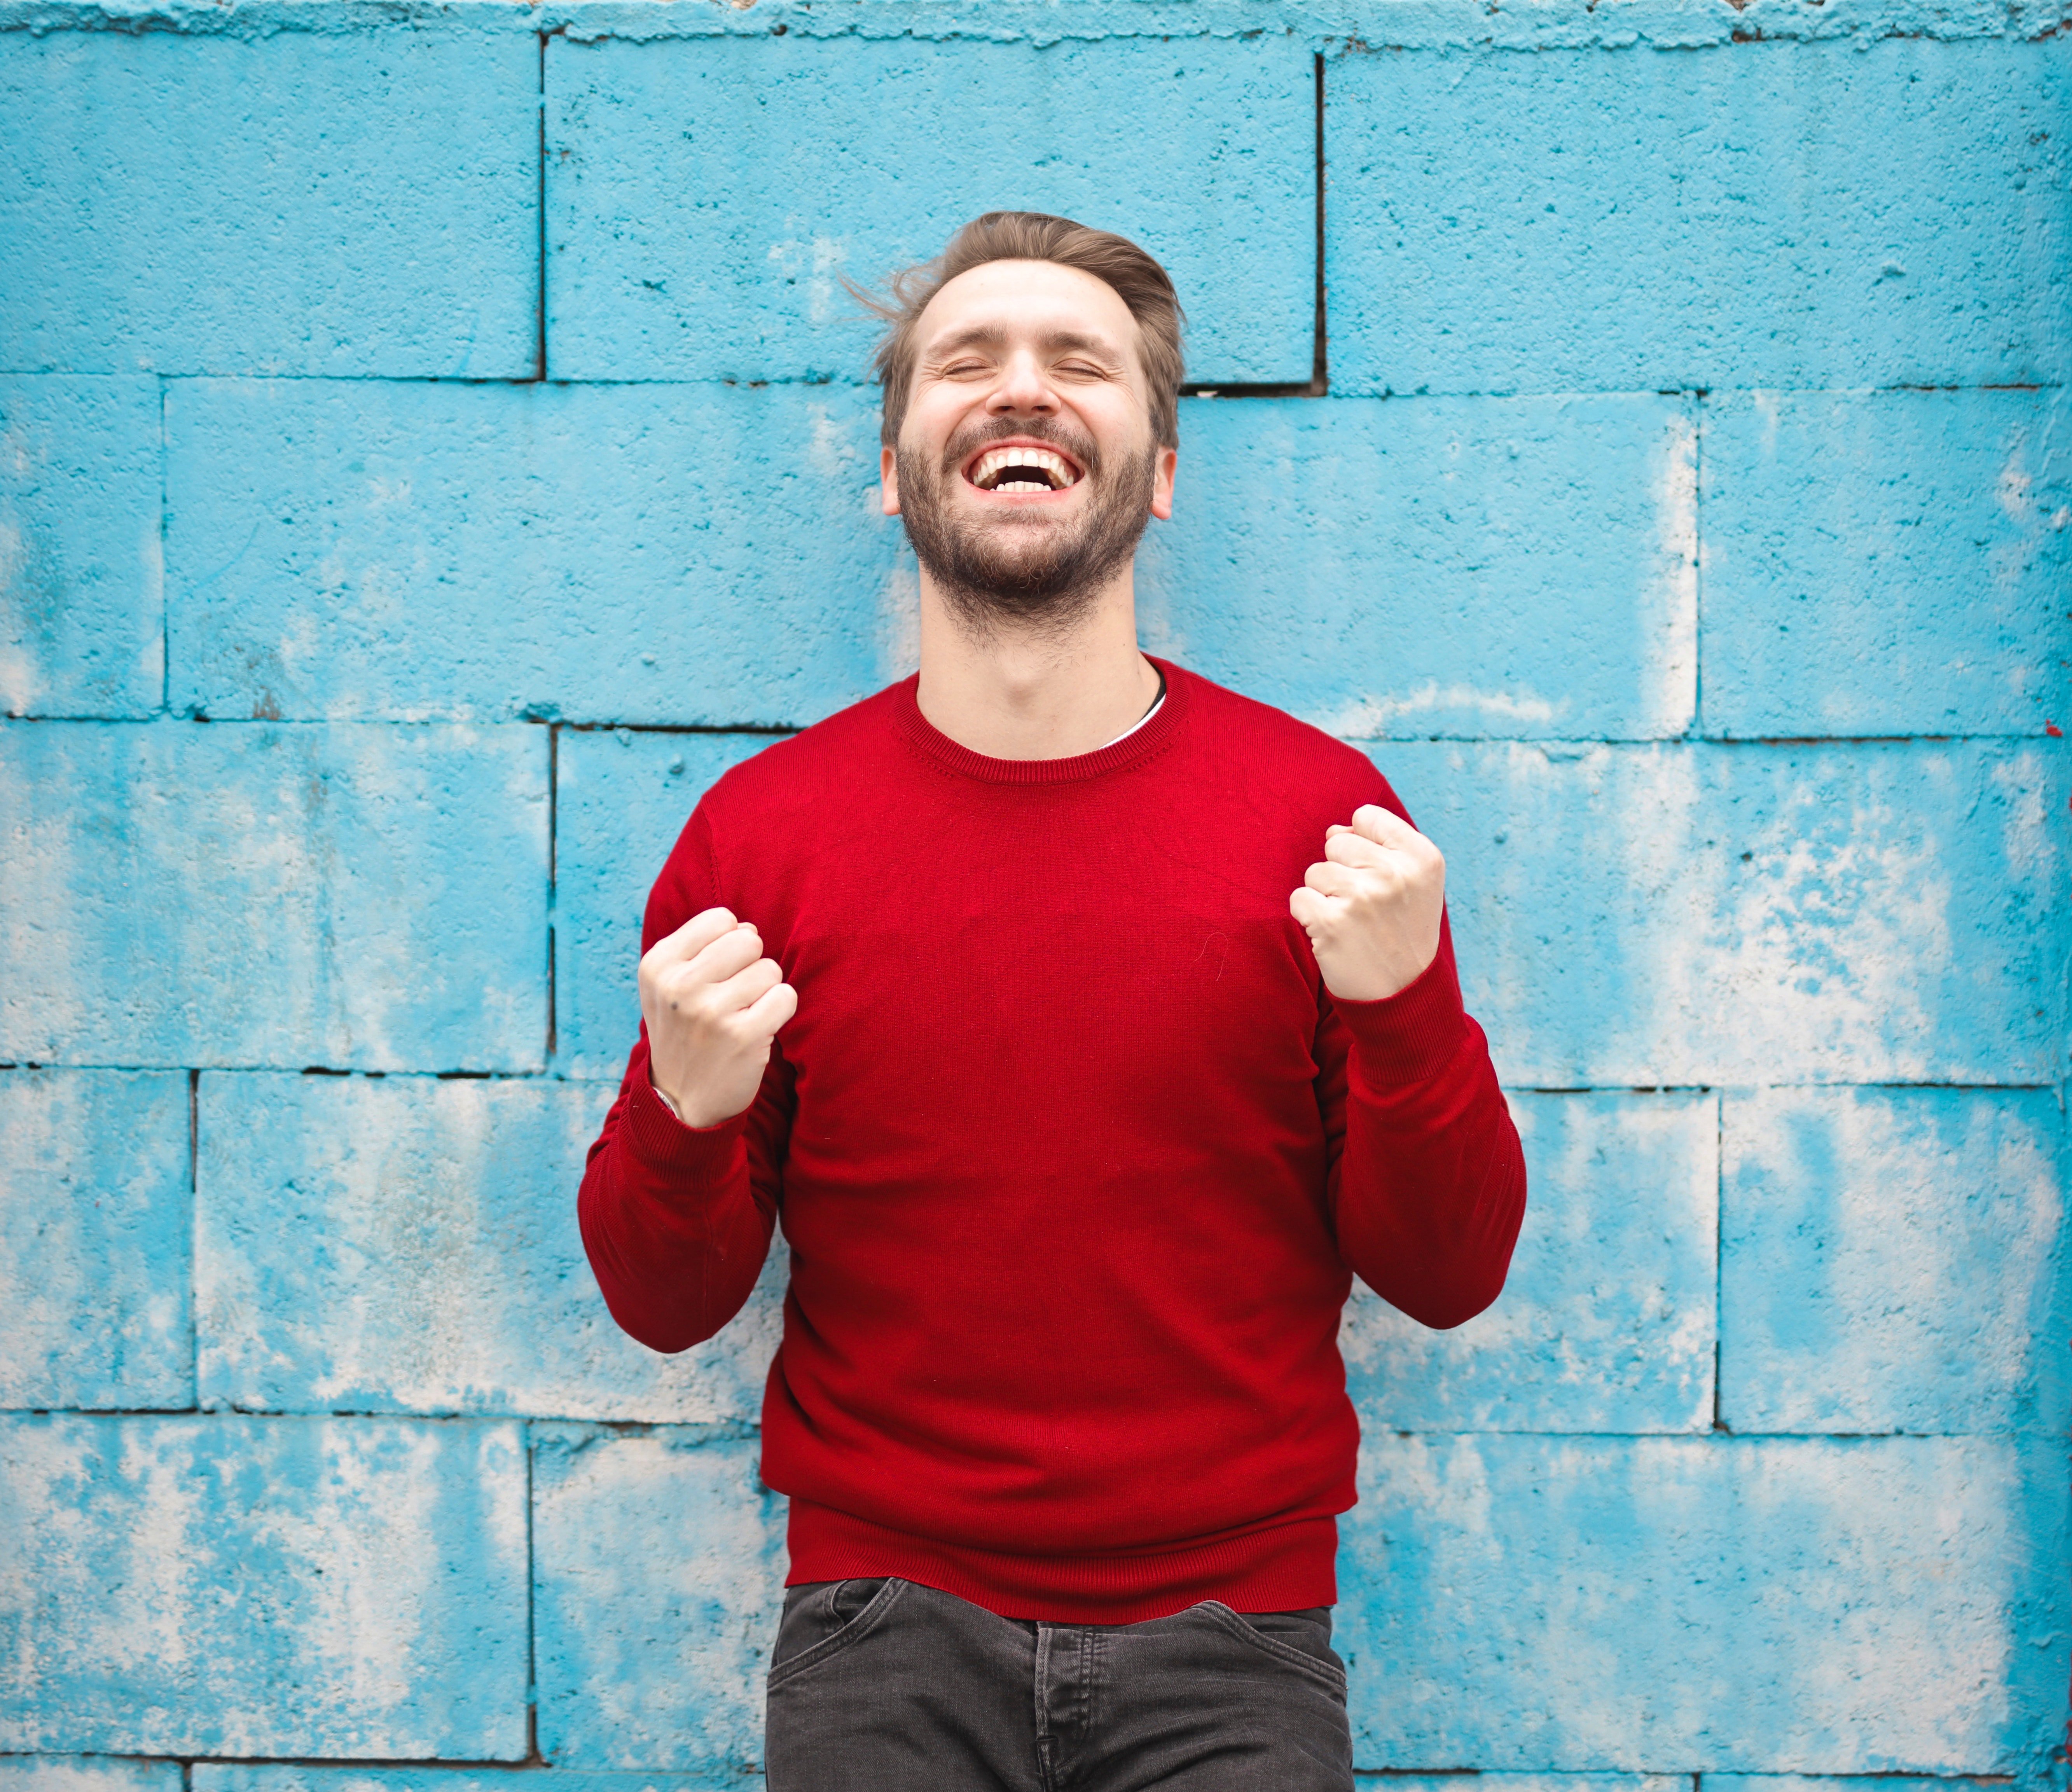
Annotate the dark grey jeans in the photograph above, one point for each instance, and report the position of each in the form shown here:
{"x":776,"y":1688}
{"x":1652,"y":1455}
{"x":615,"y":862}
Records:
{"x":887,"y":1686}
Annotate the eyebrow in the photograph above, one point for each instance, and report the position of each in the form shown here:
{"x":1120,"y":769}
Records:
{"x":989,"y":335}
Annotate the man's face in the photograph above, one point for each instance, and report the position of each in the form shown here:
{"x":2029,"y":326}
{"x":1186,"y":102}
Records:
{"x":1026,"y":469}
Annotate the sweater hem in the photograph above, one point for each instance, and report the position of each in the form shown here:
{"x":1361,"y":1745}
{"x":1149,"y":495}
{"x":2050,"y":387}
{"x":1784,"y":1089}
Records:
{"x":1289,"y":1566}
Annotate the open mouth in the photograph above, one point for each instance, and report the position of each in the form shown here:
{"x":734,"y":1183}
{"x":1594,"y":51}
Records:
{"x":1022,"y":467}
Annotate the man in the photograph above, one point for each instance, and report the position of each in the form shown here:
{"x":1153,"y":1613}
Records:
{"x":1078,"y":1119}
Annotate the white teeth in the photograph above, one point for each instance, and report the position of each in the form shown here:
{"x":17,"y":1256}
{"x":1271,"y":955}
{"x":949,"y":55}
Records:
{"x":990,"y":463}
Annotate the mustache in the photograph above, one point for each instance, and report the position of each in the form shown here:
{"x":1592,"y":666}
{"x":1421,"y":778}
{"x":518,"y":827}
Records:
{"x":967,"y":442}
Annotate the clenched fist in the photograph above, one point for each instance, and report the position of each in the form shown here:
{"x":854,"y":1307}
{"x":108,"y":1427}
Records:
{"x":1371,"y":909}
{"x":713,"y":1003}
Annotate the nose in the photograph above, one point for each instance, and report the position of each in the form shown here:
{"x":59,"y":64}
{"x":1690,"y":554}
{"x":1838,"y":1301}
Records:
{"x":1023,"y":390}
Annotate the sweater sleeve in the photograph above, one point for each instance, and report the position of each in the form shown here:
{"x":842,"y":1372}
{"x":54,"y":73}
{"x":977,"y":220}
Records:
{"x":676,"y":1220}
{"x":1428,"y":1177}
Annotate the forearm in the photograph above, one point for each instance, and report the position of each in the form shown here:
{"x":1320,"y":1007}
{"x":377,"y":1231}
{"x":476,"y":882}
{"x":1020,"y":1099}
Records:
{"x":670,"y":1221}
{"x":1430,"y":1182}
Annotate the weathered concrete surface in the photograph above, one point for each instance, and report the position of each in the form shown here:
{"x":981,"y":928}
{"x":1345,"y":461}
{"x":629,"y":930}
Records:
{"x":659,"y":1571}
{"x":82,"y":596}
{"x":1607,"y":1322}
{"x":704,"y":200}
{"x":274,"y":291}
{"x":301,"y":1777}
{"x":1839,"y":527}
{"x":630,"y":553}
{"x":1523,"y":568}
{"x":1784,"y":214}
{"x":1886,"y":1604}
{"x":1894,"y":1260}
{"x":1639,"y":916}
{"x":350,"y":896}
{"x":95,"y":1265}
{"x":296,"y":204}
{"x":620,"y":799}
{"x":229,"y":1586}
{"x":87,"y":1773}
{"x":410,"y":1245}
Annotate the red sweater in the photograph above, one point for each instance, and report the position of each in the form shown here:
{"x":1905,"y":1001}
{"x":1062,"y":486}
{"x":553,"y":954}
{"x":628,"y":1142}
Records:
{"x":1075,"y":1155}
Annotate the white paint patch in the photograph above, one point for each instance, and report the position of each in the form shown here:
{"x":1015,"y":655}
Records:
{"x":831,"y":451}
{"x":899,"y":619}
{"x":1371,"y":718}
{"x":1922,"y":1226}
{"x":817,"y":263}
{"x":21,"y":681}
{"x":1669,"y":670}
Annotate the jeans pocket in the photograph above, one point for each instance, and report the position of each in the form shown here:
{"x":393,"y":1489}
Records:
{"x":823,"y":1619}
{"x":1301,"y":1640}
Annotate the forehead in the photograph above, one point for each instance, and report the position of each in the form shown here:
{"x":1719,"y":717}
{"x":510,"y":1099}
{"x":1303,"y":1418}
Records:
{"x":1026,"y":301}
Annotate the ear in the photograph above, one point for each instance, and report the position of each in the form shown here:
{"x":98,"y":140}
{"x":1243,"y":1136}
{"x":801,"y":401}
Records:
{"x":888,"y":482}
{"x":1162,"y":483}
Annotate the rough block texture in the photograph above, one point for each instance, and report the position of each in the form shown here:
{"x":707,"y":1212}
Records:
{"x":435,"y":443}
{"x":1521,"y":568}
{"x":85,"y":1774}
{"x":1837,"y":526}
{"x":82,"y":596}
{"x":1785,"y":215}
{"x":704,"y":199}
{"x":216,"y":1777}
{"x":630,"y":554}
{"x":1673,"y":914}
{"x":95,"y":1266}
{"x":621,"y":799}
{"x":660,"y":1563}
{"x":1782,"y":1605}
{"x":1607,"y":1321}
{"x":305,"y":202}
{"x":229,"y":1586}
{"x":409,"y":1245}
{"x":355,"y":897}
{"x":1894,"y":1260}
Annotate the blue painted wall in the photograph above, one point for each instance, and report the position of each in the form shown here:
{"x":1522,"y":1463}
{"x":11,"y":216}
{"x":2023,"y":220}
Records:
{"x":433,"y":446}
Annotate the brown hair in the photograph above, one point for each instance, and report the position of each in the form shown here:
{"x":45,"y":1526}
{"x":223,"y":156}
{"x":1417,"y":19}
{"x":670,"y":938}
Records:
{"x":1139,"y":281}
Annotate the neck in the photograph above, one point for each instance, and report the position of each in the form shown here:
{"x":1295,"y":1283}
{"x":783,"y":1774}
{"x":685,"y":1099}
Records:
{"x":1034,"y":693}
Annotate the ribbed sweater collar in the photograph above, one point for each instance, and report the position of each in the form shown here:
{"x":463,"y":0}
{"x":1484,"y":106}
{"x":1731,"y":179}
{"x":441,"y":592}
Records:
{"x":1133,"y":749}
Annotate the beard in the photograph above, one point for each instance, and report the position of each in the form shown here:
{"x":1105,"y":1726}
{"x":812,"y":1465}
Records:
{"x":1023,"y":569}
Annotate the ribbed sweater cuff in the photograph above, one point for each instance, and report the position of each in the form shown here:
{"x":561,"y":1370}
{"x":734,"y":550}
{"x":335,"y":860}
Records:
{"x":696,"y":1158}
{"x":1412,"y":1034}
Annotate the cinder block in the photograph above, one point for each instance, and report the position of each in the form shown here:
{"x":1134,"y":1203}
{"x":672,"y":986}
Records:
{"x":706,"y":197}
{"x":1853,"y":213}
{"x":658,"y":1575}
{"x":1537,"y":1782}
{"x":87,"y":1773}
{"x":620,"y":800}
{"x":352,"y":201}
{"x":1440,"y":567}
{"x":1894,"y":1260}
{"x":705,"y":554}
{"x":282,"y":1777}
{"x":410,"y":1245}
{"x":94,"y":1256}
{"x":1637,"y":916}
{"x":1812,"y":1782}
{"x":230,"y":1586}
{"x":82,"y":563}
{"x":1885,"y":562}
{"x":1800,"y":1606}
{"x":1606,"y":1323}
{"x":356,"y":896}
